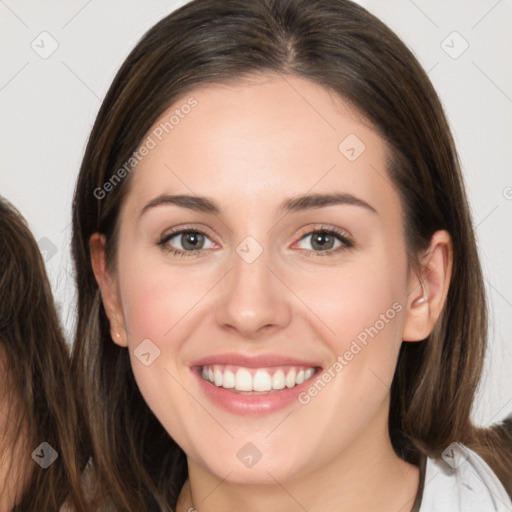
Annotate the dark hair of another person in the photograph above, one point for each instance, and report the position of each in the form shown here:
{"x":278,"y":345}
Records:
{"x":36,"y":390}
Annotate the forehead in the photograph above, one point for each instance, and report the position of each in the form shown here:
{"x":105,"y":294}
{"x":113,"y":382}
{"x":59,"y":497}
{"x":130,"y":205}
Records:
{"x":259,"y":139}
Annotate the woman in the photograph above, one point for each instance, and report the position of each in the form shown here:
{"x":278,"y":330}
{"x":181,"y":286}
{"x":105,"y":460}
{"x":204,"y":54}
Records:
{"x":222,"y":363}
{"x":38,"y":419}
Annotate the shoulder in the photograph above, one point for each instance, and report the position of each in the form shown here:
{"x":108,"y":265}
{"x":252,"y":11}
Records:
{"x":462,"y":480}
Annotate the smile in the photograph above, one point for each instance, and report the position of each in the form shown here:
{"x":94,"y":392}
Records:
{"x":238,"y":378}
{"x":253,"y":385}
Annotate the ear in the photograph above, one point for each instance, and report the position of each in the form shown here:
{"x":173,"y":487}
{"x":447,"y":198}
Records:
{"x":428,"y":290}
{"x":108,"y":289}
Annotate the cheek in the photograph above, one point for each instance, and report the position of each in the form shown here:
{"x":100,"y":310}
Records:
{"x":155,"y":299}
{"x":363,"y":307}
{"x":348,"y":300}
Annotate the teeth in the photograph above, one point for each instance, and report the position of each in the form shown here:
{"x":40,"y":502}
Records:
{"x":217,"y":377}
{"x":278,"y":380}
{"x":228,"y":380}
{"x":290,"y":378}
{"x":261,"y":379}
{"x":243,"y":380}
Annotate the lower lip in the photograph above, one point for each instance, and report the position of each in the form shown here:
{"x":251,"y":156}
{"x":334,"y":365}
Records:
{"x":251,"y":404}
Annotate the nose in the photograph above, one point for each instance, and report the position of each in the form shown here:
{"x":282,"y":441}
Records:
{"x":254,"y":300}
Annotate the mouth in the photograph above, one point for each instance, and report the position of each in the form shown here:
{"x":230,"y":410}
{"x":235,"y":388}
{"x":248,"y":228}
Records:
{"x":239,"y":379}
{"x":253,"y":386}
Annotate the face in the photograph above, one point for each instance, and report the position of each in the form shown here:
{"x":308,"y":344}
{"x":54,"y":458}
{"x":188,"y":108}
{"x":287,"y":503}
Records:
{"x":263,"y":320}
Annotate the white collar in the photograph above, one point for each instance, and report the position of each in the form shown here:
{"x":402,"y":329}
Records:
{"x":461,"y":481}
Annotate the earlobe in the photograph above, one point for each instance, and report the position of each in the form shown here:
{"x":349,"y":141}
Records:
{"x":108,"y":290}
{"x":429,"y":289}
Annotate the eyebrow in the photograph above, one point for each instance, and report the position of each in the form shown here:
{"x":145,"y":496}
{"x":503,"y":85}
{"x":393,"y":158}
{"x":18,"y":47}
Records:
{"x":290,"y":205}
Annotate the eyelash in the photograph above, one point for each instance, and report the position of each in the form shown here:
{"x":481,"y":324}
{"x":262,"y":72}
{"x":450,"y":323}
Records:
{"x":347,"y":243}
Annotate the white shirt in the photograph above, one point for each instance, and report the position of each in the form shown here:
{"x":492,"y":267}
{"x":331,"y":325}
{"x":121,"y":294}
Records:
{"x":462,"y":482}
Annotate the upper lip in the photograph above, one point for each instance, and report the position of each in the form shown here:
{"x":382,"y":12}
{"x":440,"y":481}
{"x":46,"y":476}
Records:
{"x":259,"y":361}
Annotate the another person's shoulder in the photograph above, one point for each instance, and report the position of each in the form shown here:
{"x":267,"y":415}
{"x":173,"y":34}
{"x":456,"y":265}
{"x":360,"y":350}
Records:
{"x":462,"y":481}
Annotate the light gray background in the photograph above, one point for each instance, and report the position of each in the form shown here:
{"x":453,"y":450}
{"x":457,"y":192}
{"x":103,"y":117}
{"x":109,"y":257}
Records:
{"x":48,"y":106}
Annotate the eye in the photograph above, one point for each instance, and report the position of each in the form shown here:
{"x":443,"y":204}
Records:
{"x":326,"y":241}
{"x":185,"y":242}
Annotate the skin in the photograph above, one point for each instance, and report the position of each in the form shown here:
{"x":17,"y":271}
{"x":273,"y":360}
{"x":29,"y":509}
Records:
{"x":248,"y":146}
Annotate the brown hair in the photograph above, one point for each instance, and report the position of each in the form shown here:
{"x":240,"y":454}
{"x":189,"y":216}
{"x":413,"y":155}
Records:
{"x":339,"y":45}
{"x":36,"y":396}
